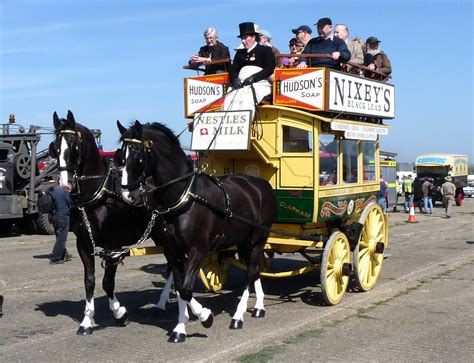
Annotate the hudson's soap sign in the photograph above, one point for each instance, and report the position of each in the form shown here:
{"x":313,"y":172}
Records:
{"x":204,"y":93}
{"x":302,"y":88}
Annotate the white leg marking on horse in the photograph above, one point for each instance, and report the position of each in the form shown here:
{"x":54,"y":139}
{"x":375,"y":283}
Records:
{"x":88,"y":314}
{"x":259,"y":295}
{"x":183,"y":316}
{"x":118,"y":310}
{"x":242,"y":307}
{"x":125,"y":192}
{"x":197,"y":309}
{"x":63,"y":178}
{"x":165,"y":294}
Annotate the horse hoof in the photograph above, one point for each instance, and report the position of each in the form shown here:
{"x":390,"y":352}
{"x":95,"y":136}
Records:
{"x":123,"y":320}
{"x":236,"y":324}
{"x":208,"y":323}
{"x":177,"y":337}
{"x":258,"y":313}
{"x":84,"y":331}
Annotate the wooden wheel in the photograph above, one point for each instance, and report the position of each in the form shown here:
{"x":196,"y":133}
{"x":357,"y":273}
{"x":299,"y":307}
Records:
{"x":335,"y":268}
{"x":214,"y":272}
{"x":368,"y":254}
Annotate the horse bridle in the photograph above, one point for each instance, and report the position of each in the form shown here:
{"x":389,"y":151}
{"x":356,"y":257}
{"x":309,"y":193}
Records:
{"x":72,"y":167}
{"x":146,"y":146}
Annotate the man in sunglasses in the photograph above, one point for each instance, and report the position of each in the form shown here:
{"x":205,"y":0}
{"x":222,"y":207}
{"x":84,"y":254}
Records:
{"x":303,"y":34}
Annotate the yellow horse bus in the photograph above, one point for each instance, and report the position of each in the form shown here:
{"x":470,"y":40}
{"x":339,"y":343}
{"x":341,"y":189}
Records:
{"x":317,"y":143}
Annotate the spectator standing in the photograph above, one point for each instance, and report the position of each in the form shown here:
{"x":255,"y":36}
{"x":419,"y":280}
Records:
{"x":407,"y":191}
{"x":399,"y":193}
{"x":448,"y":189}
{"x":375,"y":58}
{"x":383,"y":194}
{"x":354,"y":46}
{"x":266,"y":40}
{"x":252,"y":66}
{"x":303,"y":35}
{"x":417,"y":193}
{"x":60,"y":220}
{"x":426,"y":190}
{"x":325,"y":43}
{"x":213,"y":50}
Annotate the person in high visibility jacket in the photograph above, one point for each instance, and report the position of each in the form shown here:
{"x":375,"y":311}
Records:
{"x":408,"y":191}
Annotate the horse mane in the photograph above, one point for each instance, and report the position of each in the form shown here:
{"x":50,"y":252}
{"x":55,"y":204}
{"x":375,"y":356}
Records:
{"x":164,"y":129}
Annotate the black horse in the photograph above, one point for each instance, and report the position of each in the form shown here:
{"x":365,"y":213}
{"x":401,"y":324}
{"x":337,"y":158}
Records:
{"x":201,"y":213}
{"x":99,"y":218}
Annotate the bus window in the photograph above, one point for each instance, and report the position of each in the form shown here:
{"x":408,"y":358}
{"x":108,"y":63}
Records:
{"x":350,"y":152}
{"x":297,"y":140}
{"x":368,"y":151}
{"x":328,"y":151}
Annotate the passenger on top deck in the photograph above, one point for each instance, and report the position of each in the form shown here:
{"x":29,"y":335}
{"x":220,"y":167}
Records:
{"x":250,"y":71}
{"x":375,"y":58}
{"x":295,"y":48}
{"x":354,"y":46}
{"x":303,"y":35}
{"x":326,"y":43}
{"x":213,"y":50}
{"x":265,"y":39}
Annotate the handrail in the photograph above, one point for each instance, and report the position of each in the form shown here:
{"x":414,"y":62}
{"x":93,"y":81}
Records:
{"x":359,"y":66}
{"x":207,"y":63}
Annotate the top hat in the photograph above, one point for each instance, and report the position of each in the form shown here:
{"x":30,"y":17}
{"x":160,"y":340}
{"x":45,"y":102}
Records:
{"x":248,"y":28}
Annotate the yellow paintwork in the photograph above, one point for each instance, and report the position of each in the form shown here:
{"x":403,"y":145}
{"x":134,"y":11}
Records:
{"x":142,"y":251}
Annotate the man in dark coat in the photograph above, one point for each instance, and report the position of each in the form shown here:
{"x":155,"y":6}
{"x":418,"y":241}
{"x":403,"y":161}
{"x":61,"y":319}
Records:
{"x":326,"y":43}
{"x":60,"y":220}
{"x":213,"y":50}
{"x":252,"y":66}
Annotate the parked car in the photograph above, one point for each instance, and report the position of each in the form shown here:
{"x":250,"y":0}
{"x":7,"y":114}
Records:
{"x":469,"y":190}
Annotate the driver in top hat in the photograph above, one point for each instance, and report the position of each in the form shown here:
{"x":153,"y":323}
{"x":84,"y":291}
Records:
{"x":252,"y":65}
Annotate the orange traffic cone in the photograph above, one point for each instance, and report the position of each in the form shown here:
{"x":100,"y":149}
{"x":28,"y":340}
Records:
{"x":411,"y":216}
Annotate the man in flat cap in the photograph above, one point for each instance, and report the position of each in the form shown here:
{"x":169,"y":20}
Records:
{"x":250,"y":71}
{"x":375,"y":58}
{"x":266,"y":39}
{"x":448,"y":190}
{"x":325,"y":43}
{"x":303,"y":34}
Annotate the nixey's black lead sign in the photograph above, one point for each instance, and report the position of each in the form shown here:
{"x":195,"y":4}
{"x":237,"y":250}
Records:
{"x":351,"y":94}
{"x":324,"y":89}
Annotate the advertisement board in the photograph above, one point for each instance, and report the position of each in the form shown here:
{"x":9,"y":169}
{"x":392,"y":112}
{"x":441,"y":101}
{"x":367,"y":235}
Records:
{"x":204,"y":93}
{"x":221,"y":130}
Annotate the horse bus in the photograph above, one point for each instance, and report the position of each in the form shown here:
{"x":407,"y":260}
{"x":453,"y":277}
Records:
{"x":300,"y":176}
{"x":317,"y":143}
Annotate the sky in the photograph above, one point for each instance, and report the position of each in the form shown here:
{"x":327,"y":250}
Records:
{"x":122,"y":60}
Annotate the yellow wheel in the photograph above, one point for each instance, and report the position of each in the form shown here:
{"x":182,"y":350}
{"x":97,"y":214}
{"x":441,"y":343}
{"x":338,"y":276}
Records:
{"x":335,"y":268}
{"x":214,"y":272}
{"x":368,"y":254}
